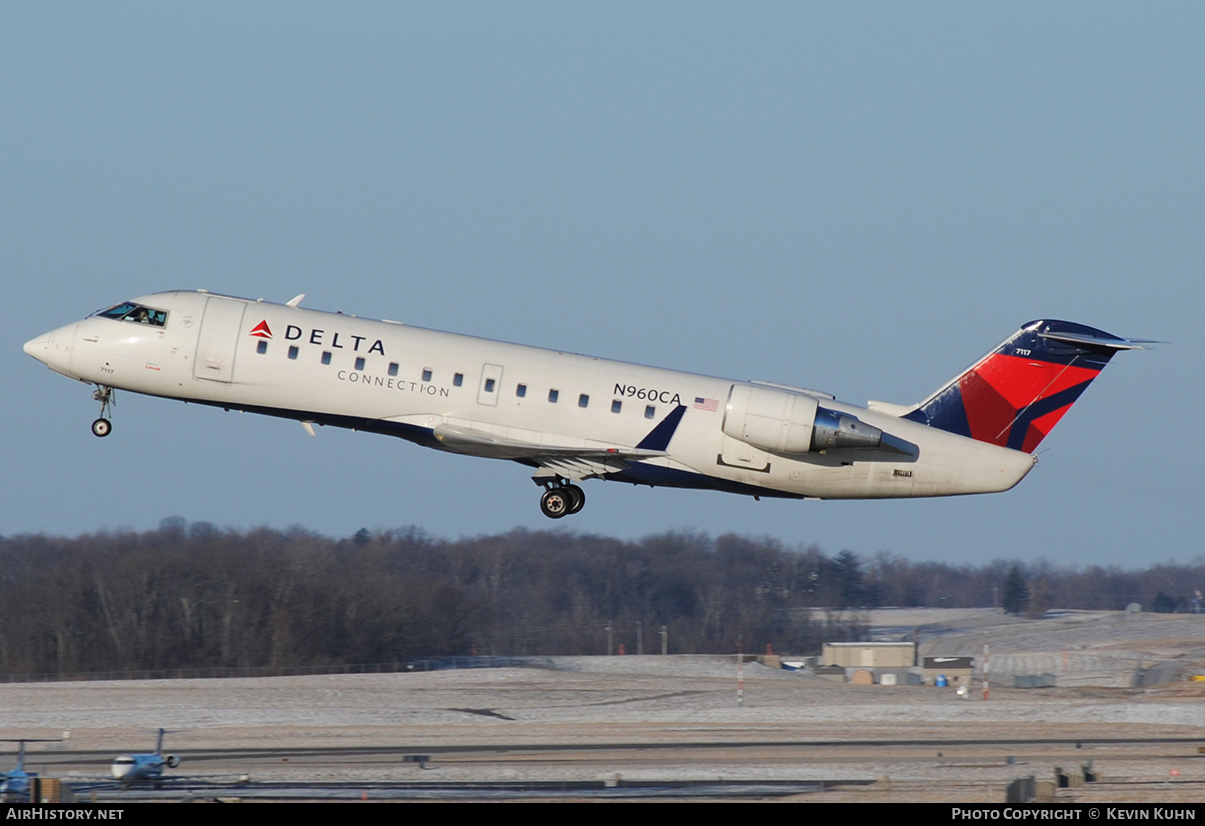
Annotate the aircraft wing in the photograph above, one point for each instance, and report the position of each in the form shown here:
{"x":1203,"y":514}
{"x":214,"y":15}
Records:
{"x":571,"y":461}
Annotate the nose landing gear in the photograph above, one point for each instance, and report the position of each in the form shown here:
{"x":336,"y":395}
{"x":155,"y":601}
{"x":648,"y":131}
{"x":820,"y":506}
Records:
{"x":107,"y":398}
{"x":561,"y":498}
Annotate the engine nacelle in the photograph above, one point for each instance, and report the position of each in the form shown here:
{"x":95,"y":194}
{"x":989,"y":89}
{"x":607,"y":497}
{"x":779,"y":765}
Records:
{"x":783,"y":422}
{"x":171,"y":760}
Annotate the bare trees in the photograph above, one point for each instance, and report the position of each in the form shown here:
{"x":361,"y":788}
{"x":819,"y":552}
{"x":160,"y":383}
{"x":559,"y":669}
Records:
{"x":195,"y":596}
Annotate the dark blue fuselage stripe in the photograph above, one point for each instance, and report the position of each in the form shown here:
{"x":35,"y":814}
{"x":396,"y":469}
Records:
{"x":659,"y":436}
{"x":640,"y":473}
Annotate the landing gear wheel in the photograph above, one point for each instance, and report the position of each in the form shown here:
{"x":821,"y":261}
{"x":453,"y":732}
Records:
{"x":107,"y":398}
{"x":555,"y":503}
{"x":577,"y":497}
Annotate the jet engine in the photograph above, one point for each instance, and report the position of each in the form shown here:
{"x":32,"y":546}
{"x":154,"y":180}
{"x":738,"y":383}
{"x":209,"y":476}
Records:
{"x":780,"y":421}
{"x":172,"y":760}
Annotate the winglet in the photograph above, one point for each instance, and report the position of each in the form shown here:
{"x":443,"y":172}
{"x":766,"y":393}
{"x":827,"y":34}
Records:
{"x":659,"y":436}
{"x":295,"y":301}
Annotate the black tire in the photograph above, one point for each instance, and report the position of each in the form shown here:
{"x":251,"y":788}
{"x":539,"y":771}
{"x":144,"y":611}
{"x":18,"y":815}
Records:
{"x":102,"y":427}
{"x":577,"y":498}
{"x":555,"y":503}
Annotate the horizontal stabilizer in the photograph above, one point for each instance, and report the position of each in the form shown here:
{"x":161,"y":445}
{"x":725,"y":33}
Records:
{"x":1095,"y":339}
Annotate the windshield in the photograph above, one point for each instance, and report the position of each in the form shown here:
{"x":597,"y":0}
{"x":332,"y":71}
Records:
{"x":129,"y":311}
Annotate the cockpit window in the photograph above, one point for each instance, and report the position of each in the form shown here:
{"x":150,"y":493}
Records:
{"x":129,"y":311}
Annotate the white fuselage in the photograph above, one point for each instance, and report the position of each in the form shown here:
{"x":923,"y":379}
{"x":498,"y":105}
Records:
{"x":506,"y":400}
{"x":132,"y":768}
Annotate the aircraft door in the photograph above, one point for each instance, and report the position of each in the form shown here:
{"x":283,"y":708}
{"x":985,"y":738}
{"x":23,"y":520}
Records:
{"x":491,"y":385}
{"x":218,"y":339}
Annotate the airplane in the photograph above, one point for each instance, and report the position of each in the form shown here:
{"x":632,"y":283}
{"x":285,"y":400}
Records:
{"x":129,"y":769}
{"x":15,"y":784}
{"x":571,"y":417}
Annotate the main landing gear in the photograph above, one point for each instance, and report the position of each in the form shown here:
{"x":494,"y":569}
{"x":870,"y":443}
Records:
{"x":562,"y":498}
{"x":106,"y":397}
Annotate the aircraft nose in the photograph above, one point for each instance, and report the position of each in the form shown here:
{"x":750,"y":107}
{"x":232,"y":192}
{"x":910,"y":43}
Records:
{"x":38,"y":347}
{"x":54,"y":348}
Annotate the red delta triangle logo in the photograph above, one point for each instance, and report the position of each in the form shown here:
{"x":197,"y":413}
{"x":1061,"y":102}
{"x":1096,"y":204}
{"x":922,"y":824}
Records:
{"x":262,"y":330}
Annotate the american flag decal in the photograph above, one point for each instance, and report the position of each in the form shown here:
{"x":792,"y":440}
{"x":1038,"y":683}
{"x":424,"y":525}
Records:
{"x":710,"y":405}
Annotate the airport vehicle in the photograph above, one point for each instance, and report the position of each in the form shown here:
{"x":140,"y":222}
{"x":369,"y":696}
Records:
{"x":129,"y":769}
{"x":573,"y":417}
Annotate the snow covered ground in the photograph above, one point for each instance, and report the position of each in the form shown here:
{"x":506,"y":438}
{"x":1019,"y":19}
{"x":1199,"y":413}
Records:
{"x":679,"y":718}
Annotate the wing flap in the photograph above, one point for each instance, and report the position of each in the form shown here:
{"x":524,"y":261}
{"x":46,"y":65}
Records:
{"x":578,"y":468}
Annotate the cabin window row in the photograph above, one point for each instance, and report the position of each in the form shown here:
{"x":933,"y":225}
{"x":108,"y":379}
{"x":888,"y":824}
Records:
{"x":583,"y":399}
{"x":360,"y":364}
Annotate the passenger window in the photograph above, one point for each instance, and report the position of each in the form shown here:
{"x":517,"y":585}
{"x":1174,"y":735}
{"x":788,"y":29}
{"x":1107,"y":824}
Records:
{"x":360,"y":363}
{"x":292,"y":352}
{"x":552,"y":395}
{"x":489,"y":385}
{"x":650,"y":412}
{"x":521,"y":390}
{"x":458,"y":379}
{"x":326,"y":357}
{"x":426,"y":374}
{"x":583,"y":400}
{"x":261,"y":347}
{"x":392,"y":368}
{"x":616,"y":406}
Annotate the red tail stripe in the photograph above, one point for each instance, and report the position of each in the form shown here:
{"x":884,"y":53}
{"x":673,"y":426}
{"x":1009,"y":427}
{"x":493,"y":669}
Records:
{"x":1022,"y":381}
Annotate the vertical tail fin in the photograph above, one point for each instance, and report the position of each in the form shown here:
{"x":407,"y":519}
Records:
{"x":1017,"y":393}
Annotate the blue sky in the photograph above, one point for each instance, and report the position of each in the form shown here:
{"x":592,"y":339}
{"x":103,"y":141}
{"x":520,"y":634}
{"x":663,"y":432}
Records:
{"x":859,"y":198}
